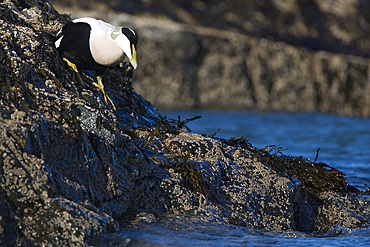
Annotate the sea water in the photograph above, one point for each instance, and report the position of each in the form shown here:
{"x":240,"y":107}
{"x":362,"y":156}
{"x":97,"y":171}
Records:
{"x":344,"y":143}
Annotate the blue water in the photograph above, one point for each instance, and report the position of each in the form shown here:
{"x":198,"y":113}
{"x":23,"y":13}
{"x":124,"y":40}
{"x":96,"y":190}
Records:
{"x":185,"y":231}
{"x":344,"y":143}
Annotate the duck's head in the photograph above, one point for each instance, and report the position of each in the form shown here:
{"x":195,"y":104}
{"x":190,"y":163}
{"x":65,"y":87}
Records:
{"x":126,"y":38}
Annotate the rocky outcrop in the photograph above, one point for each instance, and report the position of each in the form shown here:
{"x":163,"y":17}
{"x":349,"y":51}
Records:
{"x":271,"y":56}
{"x":71,"y":168}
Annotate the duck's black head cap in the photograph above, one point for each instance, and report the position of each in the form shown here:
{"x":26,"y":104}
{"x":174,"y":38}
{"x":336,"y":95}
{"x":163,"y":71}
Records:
{"x":130,"y":34}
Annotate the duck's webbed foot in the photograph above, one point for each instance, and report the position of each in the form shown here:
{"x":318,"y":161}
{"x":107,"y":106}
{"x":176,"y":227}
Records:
{"x":74,"y":68}
{"x":97,"y":81}
{"x":99,"y":85}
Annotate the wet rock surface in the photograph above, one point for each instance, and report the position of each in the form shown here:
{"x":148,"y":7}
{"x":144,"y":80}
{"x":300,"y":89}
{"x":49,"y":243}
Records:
{"x":72,"y":169}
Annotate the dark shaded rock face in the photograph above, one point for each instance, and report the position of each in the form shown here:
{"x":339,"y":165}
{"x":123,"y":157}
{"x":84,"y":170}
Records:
{"x":71,"y":168}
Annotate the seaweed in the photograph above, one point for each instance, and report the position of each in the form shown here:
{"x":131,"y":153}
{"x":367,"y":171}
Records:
{"x":315,"y":177}
{"x":162,"y":128}
{"x":180,"y":124}
{"x":192,"y":177}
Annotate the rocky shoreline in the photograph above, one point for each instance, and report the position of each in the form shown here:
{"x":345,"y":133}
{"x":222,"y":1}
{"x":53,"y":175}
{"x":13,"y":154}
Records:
{"x":72,"y":168}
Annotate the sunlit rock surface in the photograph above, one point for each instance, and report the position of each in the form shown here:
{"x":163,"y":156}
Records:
{"x":72,"y":169}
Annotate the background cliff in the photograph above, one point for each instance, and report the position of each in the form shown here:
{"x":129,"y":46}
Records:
{"x":266,"y":55}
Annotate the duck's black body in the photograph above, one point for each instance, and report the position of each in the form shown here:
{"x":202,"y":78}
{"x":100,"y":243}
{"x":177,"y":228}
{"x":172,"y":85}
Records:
{"x":76,"y":48}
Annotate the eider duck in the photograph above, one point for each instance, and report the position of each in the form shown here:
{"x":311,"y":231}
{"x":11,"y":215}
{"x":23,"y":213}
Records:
{"x":90,"y":44}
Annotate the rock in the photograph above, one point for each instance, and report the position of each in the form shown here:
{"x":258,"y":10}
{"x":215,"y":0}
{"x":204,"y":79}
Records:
{"x":72,"y":169}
